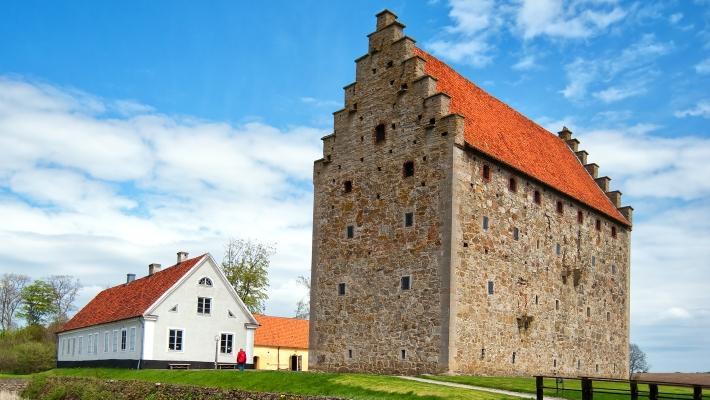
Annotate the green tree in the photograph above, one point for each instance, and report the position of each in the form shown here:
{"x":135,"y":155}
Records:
{"x":246,"y":265}
{"x":38,"y":304}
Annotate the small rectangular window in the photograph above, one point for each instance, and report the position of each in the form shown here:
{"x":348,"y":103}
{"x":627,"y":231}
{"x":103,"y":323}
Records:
{"x":408,"y":219}
{"x":558,"y":249}
{"x":106,"y":341}
{"x":81,"y":344}
{"x":613,"y":231}
{"x":408,"y":169}
{"x":513,"y":185}
{"x":380,"y":133}
{"x":124,"y":340}
{"x":403,"y":354}
{"x":175,"y":340}
{"x":589,"y":312}
{"x":490,"y":287}
{"x":96,"y":343}
{"x":204,"y":305}
{"x":537,"y":197}
{"x":483,"y":353}
{"x":560,"y":207}
{"x":598,"y":225}
{"x":513,"y":358}
{"x":516,"y":233}
{"x":613,"y":268}
{"x":486,"y":173}
{"x":88,"y":344}
{"x":226,"y":343}
{"x":594,"y":261}
{"x":485,"y":223}
{"x":405,"y":282}
{"x":341,"y":289}
{"x":348,"y":186}
{"x":580,"y":217}
{"x":557,"y":304}
{"x":350,"y":231}
{"x":350,"y":353}
{"x":132,"y":340}
{"x":114,"y":342}
{"x":608,"y":316}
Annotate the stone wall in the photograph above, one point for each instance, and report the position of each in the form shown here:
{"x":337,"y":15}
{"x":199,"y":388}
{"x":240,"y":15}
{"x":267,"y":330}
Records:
{"x":369,"y":327}
{"x":539,"y":306}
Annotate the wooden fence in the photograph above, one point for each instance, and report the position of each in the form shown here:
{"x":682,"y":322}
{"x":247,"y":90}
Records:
{"x":630,"y":389}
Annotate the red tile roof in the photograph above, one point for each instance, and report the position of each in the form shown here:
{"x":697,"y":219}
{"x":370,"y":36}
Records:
{"x":129,"y":300}
{"x":499,"y":131}
{"x":281,"y":332}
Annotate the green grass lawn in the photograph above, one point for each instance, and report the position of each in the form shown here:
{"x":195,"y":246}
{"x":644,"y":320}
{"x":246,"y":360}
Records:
{"x":351,"y":386}
{"x":527,"y":385}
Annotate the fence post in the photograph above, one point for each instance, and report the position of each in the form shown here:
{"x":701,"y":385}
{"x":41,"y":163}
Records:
{"x":697,"y":393}
{"x":634,"y":390}
{"x":652,"y":391}
{"x":586,"y":389}
{"x":538,"y":387}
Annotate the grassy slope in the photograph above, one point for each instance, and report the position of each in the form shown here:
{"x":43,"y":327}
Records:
{"x":525,"y":384}
{"x":353,"y":386}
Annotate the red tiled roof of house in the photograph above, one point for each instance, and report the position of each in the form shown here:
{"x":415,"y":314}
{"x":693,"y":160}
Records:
{"x":281,"y":332}
{"x":499,"y":131}
{"x":129,"y":300}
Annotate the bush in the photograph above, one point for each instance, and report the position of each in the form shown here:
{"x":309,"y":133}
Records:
{"x":27,"y":350}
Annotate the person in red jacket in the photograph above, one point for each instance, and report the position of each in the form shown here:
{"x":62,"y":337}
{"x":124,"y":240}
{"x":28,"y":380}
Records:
{"x":241,"y":359}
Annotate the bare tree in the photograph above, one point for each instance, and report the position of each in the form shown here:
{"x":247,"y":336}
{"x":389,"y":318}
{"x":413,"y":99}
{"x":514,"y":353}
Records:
{"x":65,"y":289}
{"x":246,"y":265}
{"x":303,"y":307}
{"x":11,"y":286}
{"x":637,"y":360}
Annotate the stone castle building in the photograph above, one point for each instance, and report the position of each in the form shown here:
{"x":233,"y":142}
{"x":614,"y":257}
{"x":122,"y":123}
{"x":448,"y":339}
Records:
{"x":453,"y":234}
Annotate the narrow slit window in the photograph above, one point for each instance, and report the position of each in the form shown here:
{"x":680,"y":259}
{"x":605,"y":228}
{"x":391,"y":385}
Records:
{"x":405,"y":282}
{"x":483,"y":353}
{"x":537,"y":197}
{"x":608,"y":316}
{"x":613,"y":268}
{"x":490,"y":287}
{"x":557,"y":304}
{"x":348,"y":186}
{"x":408,"y":219}
{"x":341,"y":289}
{"x":408,"y":169}
{"x":594,"y":261}
{"x":350,"y":353}
{"x":589,"y":312}
{"x":513,"y":185}
{"x":516,"y":233}
{"x":613,"y":231}
{"x":598,"y":225}
{"x":485,"y":223}
{"x":350,"y":231}
{"x":558,"y":249}
{"x":513,"y":358}
{"x":486,"y":173}
{"x":560,"y":207}
{"x":580,"y":217}
{"x":380,"y":133}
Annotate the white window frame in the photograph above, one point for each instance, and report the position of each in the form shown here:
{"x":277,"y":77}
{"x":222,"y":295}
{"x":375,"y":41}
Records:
{"x":89,"y":345}
{"x":81,"y":345}
{"x":124,"y":339}
{"x":96,"y":343}
{"x":107,"y":341}
{"x":208,"y":282}
{"x":233,"y":335}
{"x":182,"y":339}
{"x":114,"y":344}
{"x":73,"y":346}
{"x":132,"y":339}
{"x":203,"y":313}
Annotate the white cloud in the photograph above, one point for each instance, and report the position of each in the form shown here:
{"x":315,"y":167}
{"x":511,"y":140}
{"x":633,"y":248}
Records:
{"x":675,"y":18}
{"x":525,"y":63}
{"x":319,"y":103}
{"x":703,"y":67}
{"x":702,"y":109}
{"x":97,"y":195}
{"x":571,"y":20}
{"x":634,"y":68}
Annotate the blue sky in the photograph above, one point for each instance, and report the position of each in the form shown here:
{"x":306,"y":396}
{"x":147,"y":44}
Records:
{"x":133,"y":130}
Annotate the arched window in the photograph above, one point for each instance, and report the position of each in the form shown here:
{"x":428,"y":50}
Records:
{"x":205,"y":281}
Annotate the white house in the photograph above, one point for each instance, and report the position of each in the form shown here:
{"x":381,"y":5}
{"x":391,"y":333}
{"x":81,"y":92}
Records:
{"x":187,"y":316}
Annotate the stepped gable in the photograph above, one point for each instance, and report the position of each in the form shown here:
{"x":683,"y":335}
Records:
{"x":499,"y":131}
{"x":129,"y":300}
{"x":281,"y":332}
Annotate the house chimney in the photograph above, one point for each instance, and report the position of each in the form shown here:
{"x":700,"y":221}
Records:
{"x":130,"y":278}
{"x":153,"y":268}
{"x":565,"y":134}
{"x":181,"y":256}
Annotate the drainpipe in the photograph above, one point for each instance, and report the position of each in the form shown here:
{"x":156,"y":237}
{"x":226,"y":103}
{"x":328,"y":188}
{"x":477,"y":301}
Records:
{"x":278,"y":358}
{"x":140,"y":358}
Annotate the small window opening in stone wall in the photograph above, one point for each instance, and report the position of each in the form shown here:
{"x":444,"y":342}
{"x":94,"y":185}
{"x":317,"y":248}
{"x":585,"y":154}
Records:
{"x":444,"y":133}
{"x":560,"y":207}
{"x":554,"y":363}
{"x":589,"y":311}
{"x":341,"y":289}
{"x":490,"y":287}
{"x":579,"y":364}
{"x":513,"y":185}
{"x":597,"y":367}
{"x":486,"y":173}
{"x":608,"y":316}
{"x":404,"y":86}
{"x":513,"y":358}
{"x":405,"y":282}
{"x":483,"y":353}
{"x":613,"y":268}
{"x":536,"y":303}
{"x":350,"y":231}
{"x":580,"y":217}
{"x":485,"y":223}
{"x":557,"y":304}
{"x":374,"y":70}
{"x":408,"y":169}
{"x":516,"y":233}
{"x":408,"y":219}
{"x":613,"y":231}
{"x":432,"y":121}
{"x":558,"y":249}
{"x":403,"y":354}
{"x":389,"y":64}
{"x":350,"y":353}
{"x":594,"y":261}
{"x":537,"y":197}
{"x":598,"y":225}
{"x":348,"y":186}
{"x":393,"y":126}
{"x":380,"y":133}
